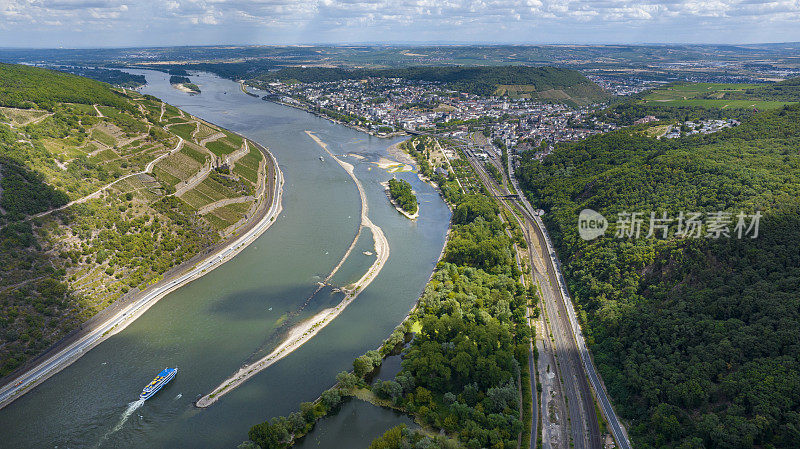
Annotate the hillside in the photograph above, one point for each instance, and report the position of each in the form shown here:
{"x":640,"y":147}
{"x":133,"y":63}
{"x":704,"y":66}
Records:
{"x":151,"y":189}
{"x":110,"y":76}
{"x":544,"y":83}
{"x":696,"y":338}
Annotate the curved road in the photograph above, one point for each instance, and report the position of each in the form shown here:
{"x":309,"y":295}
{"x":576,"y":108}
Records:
{"x":118,"y":322}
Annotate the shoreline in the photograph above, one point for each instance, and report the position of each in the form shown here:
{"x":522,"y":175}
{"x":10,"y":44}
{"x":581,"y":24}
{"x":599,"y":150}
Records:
{"x":305,"y":331}
{"x":181,"y":87}
{"x":338,"y":122}
{"x":413,"y":216}
{"x":118,"y":316}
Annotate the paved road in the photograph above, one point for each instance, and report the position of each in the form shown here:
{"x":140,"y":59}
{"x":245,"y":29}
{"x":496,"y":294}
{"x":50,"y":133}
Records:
{"x":61,"y":359}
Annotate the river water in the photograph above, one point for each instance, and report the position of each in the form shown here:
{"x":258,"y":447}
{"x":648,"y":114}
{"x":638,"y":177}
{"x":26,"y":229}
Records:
{"x":239,"y":312}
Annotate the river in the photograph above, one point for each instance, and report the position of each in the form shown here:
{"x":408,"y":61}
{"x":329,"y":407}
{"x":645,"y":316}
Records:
{"x":239,"y":312}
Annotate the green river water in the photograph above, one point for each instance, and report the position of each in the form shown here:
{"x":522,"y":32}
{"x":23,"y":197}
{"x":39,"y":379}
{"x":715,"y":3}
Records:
{"x":235,"y":314}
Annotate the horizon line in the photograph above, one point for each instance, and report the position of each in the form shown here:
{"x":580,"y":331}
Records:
{"x":413,"y":44}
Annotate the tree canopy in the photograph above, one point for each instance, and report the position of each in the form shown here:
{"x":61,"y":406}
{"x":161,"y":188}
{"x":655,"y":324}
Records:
{"x":696,"y":339}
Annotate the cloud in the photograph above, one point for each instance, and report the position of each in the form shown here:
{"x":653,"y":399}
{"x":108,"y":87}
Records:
{"x":406,"y":20}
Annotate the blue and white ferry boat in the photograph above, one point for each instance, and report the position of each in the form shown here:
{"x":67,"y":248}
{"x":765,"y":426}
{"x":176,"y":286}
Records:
{"x":162,"y":379}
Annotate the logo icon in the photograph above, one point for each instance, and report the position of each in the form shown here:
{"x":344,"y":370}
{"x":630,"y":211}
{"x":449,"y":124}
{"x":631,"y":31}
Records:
{"x":591,"y":224}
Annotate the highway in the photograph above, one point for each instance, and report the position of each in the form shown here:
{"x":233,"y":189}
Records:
{"x":63,"y":358}
{"x":576,"y":364}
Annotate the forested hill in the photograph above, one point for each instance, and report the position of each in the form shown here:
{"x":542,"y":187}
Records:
{"x":63,"y":138}
{"x":476,"y":80}
{"x":697,"y":339}
{"x":30,"y":87}
{"x":111,"y":76}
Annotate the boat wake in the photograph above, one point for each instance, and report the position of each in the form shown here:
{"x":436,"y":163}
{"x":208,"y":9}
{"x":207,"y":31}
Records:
{"x":132,"y":407}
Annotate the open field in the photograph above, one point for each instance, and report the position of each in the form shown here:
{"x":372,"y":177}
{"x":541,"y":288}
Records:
{"x":707,"y":95}
{"x":184,"y":130}
{"x":21,"y":117}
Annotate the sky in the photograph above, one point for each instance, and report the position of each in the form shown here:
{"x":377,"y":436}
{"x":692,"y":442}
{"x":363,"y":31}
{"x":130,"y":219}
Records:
{"x":128,"y":23}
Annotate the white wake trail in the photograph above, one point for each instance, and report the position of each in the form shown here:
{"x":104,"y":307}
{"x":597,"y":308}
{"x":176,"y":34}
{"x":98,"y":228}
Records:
{"x":132,"y":407}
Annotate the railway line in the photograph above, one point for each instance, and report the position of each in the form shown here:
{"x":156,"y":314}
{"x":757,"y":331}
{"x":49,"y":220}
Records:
{"x":575,"y":367}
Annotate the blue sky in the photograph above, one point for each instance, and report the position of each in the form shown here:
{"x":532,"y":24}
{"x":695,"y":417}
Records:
{"x":109,"y":23}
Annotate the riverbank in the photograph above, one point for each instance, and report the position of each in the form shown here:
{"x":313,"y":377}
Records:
{"x":305,"y":108}
{"x":396,"y":205}
{"x":123,"y":312}
{"x":185,"y":88}
{"x":244,"y":89}
{"x":305,"y":331}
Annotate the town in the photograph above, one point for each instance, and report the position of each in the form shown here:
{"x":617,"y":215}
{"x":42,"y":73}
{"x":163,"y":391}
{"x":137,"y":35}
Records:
{"x":390,"y":106}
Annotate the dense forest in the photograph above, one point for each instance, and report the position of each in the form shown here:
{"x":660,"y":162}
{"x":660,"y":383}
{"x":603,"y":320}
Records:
{"x":177,"y":79}
{"x":400,"y":191}
{"x":476,"y":80}
{"x":696,"y":338}
{"x":461,"y":371}
{"x":30,"y":87}
{"x":110,"y":76}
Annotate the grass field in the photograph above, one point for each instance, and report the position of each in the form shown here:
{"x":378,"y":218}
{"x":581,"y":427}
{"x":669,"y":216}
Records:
{"x":20,"y":117}
{"x":103,"y":156}
{"x":184,"y":130}
{"x":84,"y":108}
{"x":216,"y":222}
{"x":707,"y":95}
{"x":203,"y":132}
{"x":196,"y":199}
{"x":246,"y":173}
{"x":59,"y":148}
{"x":165,"y":177}
{"x":103,"y":137}
{"x":193,"y":153}
{"x":227,"y":215}
{"x":223,"y":146}
{"x":247,"y":166}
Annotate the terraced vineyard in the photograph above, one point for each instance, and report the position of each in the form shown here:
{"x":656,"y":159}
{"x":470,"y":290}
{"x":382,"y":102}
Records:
{"x":147,"y":187}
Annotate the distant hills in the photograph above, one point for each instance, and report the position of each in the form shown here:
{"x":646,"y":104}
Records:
{"x":540,"y":83}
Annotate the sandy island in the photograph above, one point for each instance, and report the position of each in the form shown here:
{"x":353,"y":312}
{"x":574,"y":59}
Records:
{"x":306,"y":330}
{"x":182,"y":87}
{"x":396,"y":205}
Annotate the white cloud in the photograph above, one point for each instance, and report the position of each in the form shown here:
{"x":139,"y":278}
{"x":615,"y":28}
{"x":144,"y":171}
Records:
{"x":401,"y":20}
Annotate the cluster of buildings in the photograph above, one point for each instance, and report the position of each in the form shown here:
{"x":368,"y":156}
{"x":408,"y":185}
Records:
{"x":393,"y":105}
{"x":385,"y":105}
{"x":699,"y":127}
{"x":622,"y":85}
